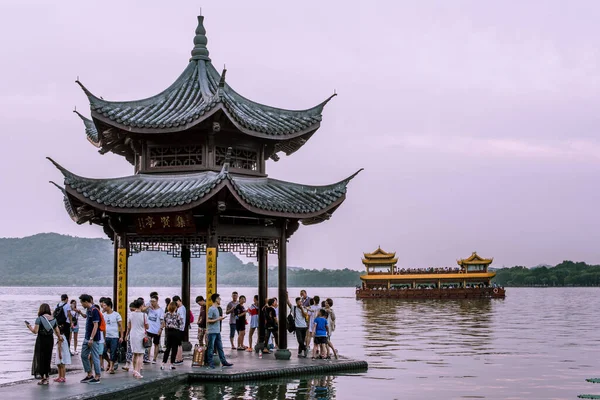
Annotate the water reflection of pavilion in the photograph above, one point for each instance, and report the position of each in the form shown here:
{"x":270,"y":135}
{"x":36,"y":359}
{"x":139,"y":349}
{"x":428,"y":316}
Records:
{"x":304,"y":387}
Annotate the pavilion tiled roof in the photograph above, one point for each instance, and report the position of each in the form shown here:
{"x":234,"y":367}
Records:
{"x":199,"y":92}
{"x":160,"y":192}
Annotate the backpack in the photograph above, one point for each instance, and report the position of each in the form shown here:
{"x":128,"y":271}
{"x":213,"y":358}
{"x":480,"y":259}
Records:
{"x":190,"y":316}
{"x":291,"y":322}
{"x":102,"y":324}
{"x":59,"y":314}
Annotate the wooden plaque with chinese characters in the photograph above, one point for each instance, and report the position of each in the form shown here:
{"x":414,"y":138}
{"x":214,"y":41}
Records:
{"x":172,"y":223}
{"x":121,"y":299}
{"x":211,"y":275}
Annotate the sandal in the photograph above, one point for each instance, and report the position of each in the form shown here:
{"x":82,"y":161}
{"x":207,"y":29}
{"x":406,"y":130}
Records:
{"x":42,"y":382}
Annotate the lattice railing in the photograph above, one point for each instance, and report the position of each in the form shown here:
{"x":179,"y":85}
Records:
{"x":239,"y":158}
{"x":175,"y":156}
{"x":246,"y":246}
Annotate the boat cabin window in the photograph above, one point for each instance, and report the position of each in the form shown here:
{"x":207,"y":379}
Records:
{"x":476,"y":268}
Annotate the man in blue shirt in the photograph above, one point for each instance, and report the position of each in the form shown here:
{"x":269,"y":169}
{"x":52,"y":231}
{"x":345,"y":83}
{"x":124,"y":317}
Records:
{"x":90,"y":342}
{"x":213,"y":322}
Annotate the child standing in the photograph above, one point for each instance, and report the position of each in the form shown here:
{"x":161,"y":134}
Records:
{"x":321,"y":331}
{"x":63,"y":358}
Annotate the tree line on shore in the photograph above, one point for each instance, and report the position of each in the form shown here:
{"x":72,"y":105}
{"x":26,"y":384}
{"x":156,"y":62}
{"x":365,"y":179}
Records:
{"x":567,"y":273}
{"x":51,"y":259}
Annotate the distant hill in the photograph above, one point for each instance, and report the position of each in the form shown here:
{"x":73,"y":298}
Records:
{"x":59,"y":260}
{"x":567,"y":273}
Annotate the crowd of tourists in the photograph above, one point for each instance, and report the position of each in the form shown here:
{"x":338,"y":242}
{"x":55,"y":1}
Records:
{"x":430,"y":270}
{"x":108,"y":340}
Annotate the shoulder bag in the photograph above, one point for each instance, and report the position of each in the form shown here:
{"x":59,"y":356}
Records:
{"x":147,"y":342}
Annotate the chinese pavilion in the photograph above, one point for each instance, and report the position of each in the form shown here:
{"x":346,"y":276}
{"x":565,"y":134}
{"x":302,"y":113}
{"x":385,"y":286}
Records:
{"x":199,"y":152}
{"x":380,"y":262}
{"x":475,"y":263}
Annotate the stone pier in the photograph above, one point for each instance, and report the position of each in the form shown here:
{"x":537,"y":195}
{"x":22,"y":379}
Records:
{"x":248,"y":367}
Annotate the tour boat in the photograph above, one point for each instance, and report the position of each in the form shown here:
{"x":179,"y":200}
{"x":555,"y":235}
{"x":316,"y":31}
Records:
{"x":470,"y":280}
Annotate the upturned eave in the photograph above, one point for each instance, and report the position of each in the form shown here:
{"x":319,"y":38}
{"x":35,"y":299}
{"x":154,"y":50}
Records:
{"x":262,"y":196}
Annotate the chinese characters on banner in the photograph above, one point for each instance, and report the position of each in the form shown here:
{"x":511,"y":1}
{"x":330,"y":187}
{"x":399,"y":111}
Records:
{"x":165,"y":223}
{"x":121,"y":299}
{"x":211,"y":275}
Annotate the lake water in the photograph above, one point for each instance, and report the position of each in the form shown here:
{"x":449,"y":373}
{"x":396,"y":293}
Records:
{"x":535,"y":344}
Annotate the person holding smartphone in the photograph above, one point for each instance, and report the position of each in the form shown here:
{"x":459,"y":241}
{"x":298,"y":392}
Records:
{"x":45,"y":327}
{"x":213,"y":321}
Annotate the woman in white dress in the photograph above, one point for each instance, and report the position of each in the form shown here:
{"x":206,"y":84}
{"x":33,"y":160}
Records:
{"x":136,"y":330}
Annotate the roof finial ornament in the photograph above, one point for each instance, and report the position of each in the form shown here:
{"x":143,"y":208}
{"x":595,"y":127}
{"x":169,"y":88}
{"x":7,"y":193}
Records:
{"x":222,"y":80}
{"x":200,"y":52}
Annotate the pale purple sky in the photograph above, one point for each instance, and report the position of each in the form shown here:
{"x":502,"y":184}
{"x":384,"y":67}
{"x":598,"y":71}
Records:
{"x":476,"y":122}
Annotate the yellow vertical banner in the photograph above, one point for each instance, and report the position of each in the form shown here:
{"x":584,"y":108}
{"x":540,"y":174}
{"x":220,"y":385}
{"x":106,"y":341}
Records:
{"x":211,"y":275}
{"x":121,"y":299}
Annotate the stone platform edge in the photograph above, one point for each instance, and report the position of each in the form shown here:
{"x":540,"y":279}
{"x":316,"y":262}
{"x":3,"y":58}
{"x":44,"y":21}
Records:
{"x":138,"y":391}
{"x":277,"y":373}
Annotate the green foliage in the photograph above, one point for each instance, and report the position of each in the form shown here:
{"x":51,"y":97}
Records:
{"x":50,"y":259}
{"x":567,"y":273}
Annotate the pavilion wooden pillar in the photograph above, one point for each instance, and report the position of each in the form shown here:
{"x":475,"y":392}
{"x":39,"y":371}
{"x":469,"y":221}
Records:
{"x":282,"y":352}
{"x":186,"y":270}
{"x":262,"y":295}
{"x":120,"y":286}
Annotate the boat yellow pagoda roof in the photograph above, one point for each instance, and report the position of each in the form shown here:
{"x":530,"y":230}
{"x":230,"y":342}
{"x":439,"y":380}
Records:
{"x":379,"y":254}
{"x":475,"y":259}
{"x":382,"y":261}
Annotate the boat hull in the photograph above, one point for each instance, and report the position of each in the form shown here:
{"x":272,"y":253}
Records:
{"x":467,"y":293}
